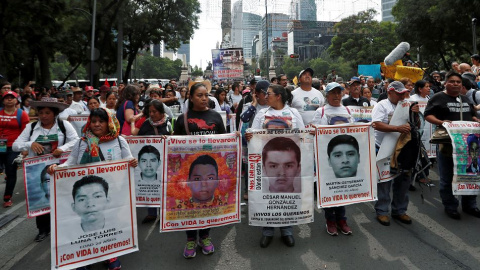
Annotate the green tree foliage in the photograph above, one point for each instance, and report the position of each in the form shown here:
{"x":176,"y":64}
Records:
{"x":441,"y":29}
{"x":291,"y":67}
{"x":157,"y":67}
{"x":362,"y":40}
{"x":196,"y":71}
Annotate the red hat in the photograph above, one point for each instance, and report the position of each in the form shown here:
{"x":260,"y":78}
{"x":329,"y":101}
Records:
{"x":88,"y":88}
{"x":10,"y":93}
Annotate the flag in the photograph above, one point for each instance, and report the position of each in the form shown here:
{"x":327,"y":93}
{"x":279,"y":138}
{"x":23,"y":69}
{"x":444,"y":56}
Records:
{"x":106,"y":83}
{"x":295,"y":80}
{"x":114,"y":83}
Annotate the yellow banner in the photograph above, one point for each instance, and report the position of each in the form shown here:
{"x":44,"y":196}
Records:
{"x":413,"y":73}
{"x":389,"y":71}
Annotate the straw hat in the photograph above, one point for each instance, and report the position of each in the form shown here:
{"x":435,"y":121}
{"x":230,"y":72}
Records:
{"x":207,"y":83}
{"x":50,"y":103}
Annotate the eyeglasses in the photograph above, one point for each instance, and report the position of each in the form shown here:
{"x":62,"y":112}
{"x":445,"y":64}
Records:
{"x":270,"y":93}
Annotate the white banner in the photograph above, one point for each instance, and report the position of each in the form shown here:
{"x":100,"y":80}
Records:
{"x":345,"y":157}
{"x":201,"y":187}
{"x":37,"y":182}
{"x":466,"y":161}
{"x":427,"y":130}
{"x":78,"y":122}
{"x":93,"y":214}
{"x":280,"y":177}
{"x":148,"y":150}
{"x":361,"y":114}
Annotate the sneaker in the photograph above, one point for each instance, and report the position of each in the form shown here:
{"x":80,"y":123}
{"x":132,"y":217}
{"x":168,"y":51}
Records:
{"x":404,"y":218}
{"x":7,"y":204}
{"x":114,"y":264}
{"x":190,"y":250}
{"x":206,"y":245}
{"x":342,"y":225}
{"x":332,"y":228}
{"x":384,"y":220}
{"x":41,"y":236}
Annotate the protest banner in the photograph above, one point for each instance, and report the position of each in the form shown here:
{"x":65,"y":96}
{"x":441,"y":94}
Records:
{"x":233,"y":122}
{"x":93,"y":213}
{"x":345,"y":156}
{"x":370,"y":70}
{"x":201,"y":182}
{"x":399,"y":117}
{"x":148,"y":150}
{"x":227,"y":63}
{"x":413,"y":73}
{"x":389,"y":71}
{"x":361,"y":114}
{"x":466,"y":161}
{"x":223,"y":114}
{"x":427,"y":131}
{"x":280,"y":177}
{"x":37,"y":182}
{"x":78,"y":122}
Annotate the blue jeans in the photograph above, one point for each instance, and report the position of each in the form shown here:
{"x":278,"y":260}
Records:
{"x":399,"y":186}
{"x":445,"y":170}
{"x":335,"y":213}
{"x":284,"y":231}
{"x":10,"y":171}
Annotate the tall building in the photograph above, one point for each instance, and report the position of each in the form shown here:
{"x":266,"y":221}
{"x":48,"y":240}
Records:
{"x":387,"y":6}
{"x":237,"y":27}
{"x":185,"y":49}
{"x":309,"y":33}
{"x":274,"y":24}
{"x":305,"y":10}
{"x":245,"y":26}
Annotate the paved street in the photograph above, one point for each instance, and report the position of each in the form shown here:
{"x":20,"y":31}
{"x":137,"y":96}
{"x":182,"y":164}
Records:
{"x":433,"y":241}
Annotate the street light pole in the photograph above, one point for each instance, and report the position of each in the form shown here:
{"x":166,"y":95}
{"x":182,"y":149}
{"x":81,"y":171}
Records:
{"x":92,"y":48}
{"x":474,"y":35}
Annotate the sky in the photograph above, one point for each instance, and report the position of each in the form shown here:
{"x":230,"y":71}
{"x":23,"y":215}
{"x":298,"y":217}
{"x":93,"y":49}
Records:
{"x":209,"y":32}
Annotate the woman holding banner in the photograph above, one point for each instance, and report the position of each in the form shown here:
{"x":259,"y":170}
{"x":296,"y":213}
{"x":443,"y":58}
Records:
{"x":101,"y":142}
{"x":48,"y":133}
{"x":277,"y":116}
{"x":332,"y":114}
{"x":156,"y":124}
{"x":127,"y":108}
{"x":199,"y":120}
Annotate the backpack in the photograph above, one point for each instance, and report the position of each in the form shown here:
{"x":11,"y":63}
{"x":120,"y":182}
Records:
{"x":61,"y":125}
{"x":19,"y":117}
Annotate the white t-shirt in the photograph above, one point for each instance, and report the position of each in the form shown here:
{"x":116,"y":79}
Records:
{"x":418,"y":98}
{"x":382,"y":112}
{"x":286,"y":118}
{"x":307,"y":102}
{"x":79,"y":107}
{"x":330,"y":115}
{"x":235,"y":99}
{"x":373,"y":102}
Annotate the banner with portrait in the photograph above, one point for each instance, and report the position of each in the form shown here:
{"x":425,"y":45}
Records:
{"x":227,"y":63}
{"x":280,"y":177}
{"x":361,"y":114}
{"x":93,"y":213}
{"x":466,"y":161}
{"x":345,"y":156}
{"x":201,"y":182}
{"x":37,"y":182}
{"x":78,"y":122}
{"x":427,"y":132}
{"x":148,"y":150}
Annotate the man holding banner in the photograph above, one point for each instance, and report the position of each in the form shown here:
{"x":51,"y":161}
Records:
{"x":446,"y":107}
{"x":381,"y":116}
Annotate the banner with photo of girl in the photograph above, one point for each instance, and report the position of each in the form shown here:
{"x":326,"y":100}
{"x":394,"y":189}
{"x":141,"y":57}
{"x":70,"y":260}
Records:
{"x":466,"y":161}
{"x":148,"y":150}
{"x":280,"y":177}
{"x":201,"y":182}
{"x":345,"y":156}
{"x":93,"y":213}
{"x":78,"y":122}
{"x":361,"y":114}
{"x":37,"y":182}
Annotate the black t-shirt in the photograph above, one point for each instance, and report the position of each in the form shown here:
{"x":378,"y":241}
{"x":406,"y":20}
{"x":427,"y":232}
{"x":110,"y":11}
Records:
{"x":445,"y":107}
{"x":148,"y":129}
{"x":200,"y":123}
{"x":350,"y":101}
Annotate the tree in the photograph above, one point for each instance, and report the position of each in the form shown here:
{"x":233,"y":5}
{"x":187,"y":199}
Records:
{"x":196,"y":71}
{"x":170,"y":21}
{"x":441,"y":29}
{"x":292,"y":67}
{"x":362,"y":40}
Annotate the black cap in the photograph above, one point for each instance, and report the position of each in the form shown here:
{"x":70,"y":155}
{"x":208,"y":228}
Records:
{"x":262,"y":86}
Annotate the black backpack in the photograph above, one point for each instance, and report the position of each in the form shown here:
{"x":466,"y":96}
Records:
{"x":61,"y":125}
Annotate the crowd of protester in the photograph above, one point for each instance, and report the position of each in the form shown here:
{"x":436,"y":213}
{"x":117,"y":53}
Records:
{"x":29,"y":115}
